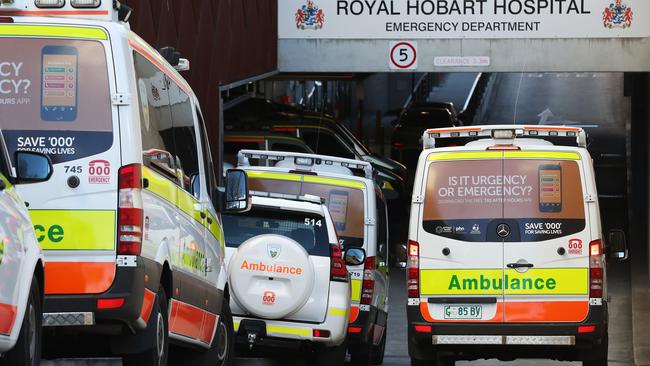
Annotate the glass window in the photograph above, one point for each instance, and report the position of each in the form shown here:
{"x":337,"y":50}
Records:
{"x":231,"y":149}
{"x":551,"y":204}
{"x":186,"y":147}
{"x":289,"y":147}
{"x":465,"y":200}
{"x":346,"y":205}
{"x":207,"y":156}
{"x":309,"y":230}
{"x":156,"y":127}
{"x":325,"y":143}
{"x":55,"y":97}
{"x":428,"y":118}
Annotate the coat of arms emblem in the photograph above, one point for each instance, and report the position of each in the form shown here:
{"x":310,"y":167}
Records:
{"x":310,"y":16}
{"x":274,"y":250}
{"x":618,"y":15}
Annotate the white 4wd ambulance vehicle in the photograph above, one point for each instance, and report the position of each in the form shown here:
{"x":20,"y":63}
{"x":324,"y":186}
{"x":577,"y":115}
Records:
{"x":21,"y":262}
{"x":506,"y":257}
{"x":288,"y":280}
{"x":359,"y":212}
{"x":130,"y":221}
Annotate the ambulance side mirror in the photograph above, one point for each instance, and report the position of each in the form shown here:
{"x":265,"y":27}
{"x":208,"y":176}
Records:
{"x":32,"y":167}
{"x":355,"y":256}
{"x":617,"y":245}
{"x":235,"y":197}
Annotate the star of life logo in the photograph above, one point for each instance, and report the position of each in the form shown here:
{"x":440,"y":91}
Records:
{"x":618,"y":15}
{"x":310,"y":16}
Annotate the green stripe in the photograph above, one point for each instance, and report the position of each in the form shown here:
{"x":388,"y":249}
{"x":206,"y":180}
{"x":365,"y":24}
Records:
{"x":24,"y":30}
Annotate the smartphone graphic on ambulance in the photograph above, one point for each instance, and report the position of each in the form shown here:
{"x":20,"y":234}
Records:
{"x":59,"y":81}
{"x":550,"y":188}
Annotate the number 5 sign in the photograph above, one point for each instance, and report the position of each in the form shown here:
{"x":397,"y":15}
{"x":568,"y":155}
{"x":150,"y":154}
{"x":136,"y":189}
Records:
{"x":403,"y":56}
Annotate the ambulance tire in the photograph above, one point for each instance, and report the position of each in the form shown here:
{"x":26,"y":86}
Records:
{"x":27,"y":350}
{"x":221,"y":351}
{"x":331,"y":356}
{"x":600,"y":353}
{"x":361,"y":354}
{"x":157,"y":334}
{"x":378,"y":351}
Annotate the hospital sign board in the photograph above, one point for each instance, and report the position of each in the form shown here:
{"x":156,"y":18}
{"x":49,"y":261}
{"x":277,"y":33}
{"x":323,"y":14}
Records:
{"x":463,"y":19}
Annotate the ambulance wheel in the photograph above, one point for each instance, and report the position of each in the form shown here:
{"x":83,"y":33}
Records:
{"x":361,"y":354}
{"x":157,"y":335}
{"x":331,"y":356}
{"x":27,"y":350}
{"x":226,"y":331}
{"x":378,"y":351}
{"x":599,"y":353}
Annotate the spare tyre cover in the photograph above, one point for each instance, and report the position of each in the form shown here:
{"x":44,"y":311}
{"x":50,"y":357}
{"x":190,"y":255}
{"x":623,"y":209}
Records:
{"x":271,"y":276}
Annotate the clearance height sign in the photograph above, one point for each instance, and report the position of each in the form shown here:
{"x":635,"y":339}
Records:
{"x":458,"y":19}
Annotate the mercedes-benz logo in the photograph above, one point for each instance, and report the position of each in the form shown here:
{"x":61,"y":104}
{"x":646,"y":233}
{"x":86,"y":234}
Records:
{"x":503,"y":230}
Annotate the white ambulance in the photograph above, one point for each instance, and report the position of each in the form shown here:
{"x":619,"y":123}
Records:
{"x":360,"y":216}
{"x":505,"y":254}
{"x":21,"y":262}
{"x":288,"y":278}
{"x":130,"y":220}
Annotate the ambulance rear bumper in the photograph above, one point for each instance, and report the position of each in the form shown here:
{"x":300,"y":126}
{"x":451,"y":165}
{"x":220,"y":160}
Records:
{"x":497,"y":339}
{"x":84,"y":310}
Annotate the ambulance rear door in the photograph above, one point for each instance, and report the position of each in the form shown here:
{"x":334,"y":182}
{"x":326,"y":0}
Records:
{"x":460,"y":252}
{"x":546,"y":251}
{"x":56,"y":85}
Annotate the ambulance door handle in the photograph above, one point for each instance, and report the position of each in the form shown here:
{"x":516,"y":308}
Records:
{"x":520,"y":265}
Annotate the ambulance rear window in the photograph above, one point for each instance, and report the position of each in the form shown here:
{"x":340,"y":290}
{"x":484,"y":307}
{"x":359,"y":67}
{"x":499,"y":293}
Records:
{"x":539,"y":199}
{"x":346,"y":205}
{"x":309,"y":230}
{"x":55,"y":97}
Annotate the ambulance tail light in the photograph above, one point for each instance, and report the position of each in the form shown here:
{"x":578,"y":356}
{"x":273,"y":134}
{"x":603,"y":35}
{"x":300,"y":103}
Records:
{"x":413,"y":269}
{"x":106,"y":304}
{"x":338,"y":270}
{"x":86,"y":3}
{"x":130,"y":213}
{"x":49,"y":3}
{"x":368,"y":285}
{"x":596,"y":270}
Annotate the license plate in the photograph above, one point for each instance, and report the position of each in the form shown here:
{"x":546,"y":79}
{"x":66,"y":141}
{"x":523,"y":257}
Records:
{"x":455,"y":312}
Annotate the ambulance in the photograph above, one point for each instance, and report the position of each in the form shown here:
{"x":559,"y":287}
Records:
{"x":289,"y":282}
{"x":21,"y":261}
{"x":360,"y":217}
{"x":130,"y":220}
{"x":506,"y":257}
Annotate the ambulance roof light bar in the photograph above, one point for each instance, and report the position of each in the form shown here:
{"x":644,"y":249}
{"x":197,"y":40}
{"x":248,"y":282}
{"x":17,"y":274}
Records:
{"x":93,"y":4}
{"x":104,"y":10}
{"x":307,"y":161}
{"x":504,"y":132}
{"x":292,"y":197}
